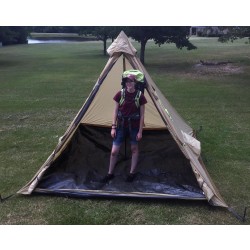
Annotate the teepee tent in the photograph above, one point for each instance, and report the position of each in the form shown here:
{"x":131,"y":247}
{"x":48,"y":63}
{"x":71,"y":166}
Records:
{"x":169,"y":166}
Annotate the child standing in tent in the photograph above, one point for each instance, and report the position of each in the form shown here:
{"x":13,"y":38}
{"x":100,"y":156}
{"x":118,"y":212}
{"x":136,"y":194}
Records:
{"x":128,"y":118}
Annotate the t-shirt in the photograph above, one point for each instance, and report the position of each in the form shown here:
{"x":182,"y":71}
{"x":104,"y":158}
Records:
{"x":129,"y":107}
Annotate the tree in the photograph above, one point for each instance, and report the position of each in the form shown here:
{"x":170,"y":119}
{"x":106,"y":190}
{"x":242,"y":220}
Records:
{"x":55,"y":29}
{"x":13,"y":35}
{"x":103,"y":33}
{"x":234,"y":32}
{"x":160,"y":35}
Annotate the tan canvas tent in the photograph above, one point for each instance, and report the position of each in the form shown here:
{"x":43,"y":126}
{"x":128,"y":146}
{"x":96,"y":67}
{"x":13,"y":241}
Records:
{"x":170,"y":165}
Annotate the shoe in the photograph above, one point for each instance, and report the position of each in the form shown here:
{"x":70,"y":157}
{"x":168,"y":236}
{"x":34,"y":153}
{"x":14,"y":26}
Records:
{"x":131,"y":177}
{"x":107,"y":178}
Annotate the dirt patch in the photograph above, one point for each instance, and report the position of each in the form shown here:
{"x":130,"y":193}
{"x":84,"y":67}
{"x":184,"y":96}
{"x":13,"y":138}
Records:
{"x":216,"y":68}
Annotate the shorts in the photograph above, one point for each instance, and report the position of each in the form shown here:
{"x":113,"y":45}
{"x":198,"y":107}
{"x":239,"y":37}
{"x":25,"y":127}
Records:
{"x":122,"y":133}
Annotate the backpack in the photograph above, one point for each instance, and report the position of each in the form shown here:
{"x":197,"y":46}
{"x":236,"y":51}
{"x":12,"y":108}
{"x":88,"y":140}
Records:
{"x":137,"y":97}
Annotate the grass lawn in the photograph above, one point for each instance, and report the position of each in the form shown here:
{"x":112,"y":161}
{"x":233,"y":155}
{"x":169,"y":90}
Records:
{"x":44,"y":85}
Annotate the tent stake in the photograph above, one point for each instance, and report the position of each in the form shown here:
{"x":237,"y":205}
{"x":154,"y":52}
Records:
{"x":4,"y":199}
{"x":239,"y":217}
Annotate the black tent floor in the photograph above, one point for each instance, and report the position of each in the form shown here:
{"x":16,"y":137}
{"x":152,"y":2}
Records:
{"x":163,"y":171}
{"x":151,"y":185}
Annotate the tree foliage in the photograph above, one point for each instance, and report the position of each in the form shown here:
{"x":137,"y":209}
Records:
{"x":102,"y":33}
{"x":13,"y":35}
{"x":234,"y":33}
{"x":160,"y":35}
{"x":54,"y":29}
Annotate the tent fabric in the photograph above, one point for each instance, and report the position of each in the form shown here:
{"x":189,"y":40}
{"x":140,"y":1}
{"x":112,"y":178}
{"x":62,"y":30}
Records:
{"x":121,"y":44}
{"x":101,"y":115}
{"x":160,"y":118}
{"x":194,"y":144}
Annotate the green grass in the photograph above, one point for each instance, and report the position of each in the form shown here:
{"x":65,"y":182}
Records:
{"x":43,"y":87}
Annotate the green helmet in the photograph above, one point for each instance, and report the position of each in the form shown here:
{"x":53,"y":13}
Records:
{"x":137,"y":75}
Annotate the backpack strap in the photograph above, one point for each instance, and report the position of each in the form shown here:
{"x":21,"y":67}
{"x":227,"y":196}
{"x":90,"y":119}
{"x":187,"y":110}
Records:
{"x":137,"y":98}
{"x":122,"y":97}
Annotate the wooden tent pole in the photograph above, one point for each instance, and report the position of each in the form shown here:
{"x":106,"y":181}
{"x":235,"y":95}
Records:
{"x":125,"y":146}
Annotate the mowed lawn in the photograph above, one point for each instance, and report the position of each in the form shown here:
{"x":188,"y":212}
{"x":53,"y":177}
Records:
{"x":43,"y":86}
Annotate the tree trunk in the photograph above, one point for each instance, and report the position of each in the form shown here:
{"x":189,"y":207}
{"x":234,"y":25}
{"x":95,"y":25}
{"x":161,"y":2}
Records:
{"x":142,"y":54}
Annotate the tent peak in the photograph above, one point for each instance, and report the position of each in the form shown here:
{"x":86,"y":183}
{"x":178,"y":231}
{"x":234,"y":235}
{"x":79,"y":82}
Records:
{"x":121,"y":44}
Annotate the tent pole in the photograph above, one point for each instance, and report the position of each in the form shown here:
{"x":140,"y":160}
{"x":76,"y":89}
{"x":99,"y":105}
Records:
{"x":124,"y":63}
{"x":125,"y":146}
